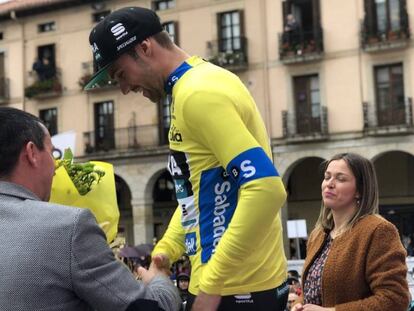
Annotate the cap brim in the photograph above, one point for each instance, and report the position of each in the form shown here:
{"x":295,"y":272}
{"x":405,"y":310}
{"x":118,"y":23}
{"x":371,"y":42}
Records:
{"x":99,"y":79}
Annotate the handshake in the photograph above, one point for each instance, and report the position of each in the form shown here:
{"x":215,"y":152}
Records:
{"x":159,"y":286}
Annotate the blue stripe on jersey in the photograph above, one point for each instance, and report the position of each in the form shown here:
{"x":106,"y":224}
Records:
{"x":175,"y":76}
{"x":250,"y":165}
{"x":217,"y":202}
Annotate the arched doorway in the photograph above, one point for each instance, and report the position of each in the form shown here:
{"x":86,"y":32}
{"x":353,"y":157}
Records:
{"x":395,"y":172}
{"x":304,"y":197}
{"x":164,"y":205}
{"x":123,"y":196}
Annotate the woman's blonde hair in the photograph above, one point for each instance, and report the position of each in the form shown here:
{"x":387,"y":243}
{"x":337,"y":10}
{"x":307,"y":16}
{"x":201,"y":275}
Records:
{"x":366,"y":185}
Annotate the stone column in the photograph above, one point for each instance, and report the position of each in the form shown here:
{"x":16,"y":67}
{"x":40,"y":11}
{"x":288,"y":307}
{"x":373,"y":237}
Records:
{"x":142,"y":219}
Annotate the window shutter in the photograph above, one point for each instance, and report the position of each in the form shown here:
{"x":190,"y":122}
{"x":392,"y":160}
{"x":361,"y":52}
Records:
{"x":404,"y":15}
{"x":286,"y":7}
{"x":316,"y":18}
{"x":370,"y":17}
{"x":218,"y":46}
{"x":241,"y":19}
{"x":176,"y":33}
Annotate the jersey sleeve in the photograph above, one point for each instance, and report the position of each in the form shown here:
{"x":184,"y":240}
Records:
{"x":218,"y":124}
{"x":172,"y":243}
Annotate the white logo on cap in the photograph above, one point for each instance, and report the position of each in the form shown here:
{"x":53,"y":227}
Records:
{"x":94,"y":47}
{"x":119,"y":31}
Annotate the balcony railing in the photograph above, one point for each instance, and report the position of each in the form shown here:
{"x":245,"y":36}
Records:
{"x":301,"y":46}
{"x":122,"y":139}
{"x":230,"y":53}
{"x":4,"y":90}
{"x":374,"y":40}
{"x":87,"y":73}
{"x":45,"y":87}
{"x":304,"y":127}
{"x":388,"y":121}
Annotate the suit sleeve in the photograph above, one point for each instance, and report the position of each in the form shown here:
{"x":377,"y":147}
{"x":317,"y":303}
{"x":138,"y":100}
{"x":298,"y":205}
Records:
{"x":104,"y":282}
{"x":386,"y":273}
{"x":220,"y":127}
{"x":172,"y":243}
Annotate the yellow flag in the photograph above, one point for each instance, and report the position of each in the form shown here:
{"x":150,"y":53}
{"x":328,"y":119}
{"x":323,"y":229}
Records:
{"x":101,"y":200}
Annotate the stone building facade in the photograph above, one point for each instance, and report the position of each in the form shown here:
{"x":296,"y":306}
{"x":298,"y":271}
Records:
{"x":328,"y":76}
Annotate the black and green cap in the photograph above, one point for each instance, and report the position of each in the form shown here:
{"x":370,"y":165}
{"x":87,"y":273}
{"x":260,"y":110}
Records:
{"x":117,"y":33}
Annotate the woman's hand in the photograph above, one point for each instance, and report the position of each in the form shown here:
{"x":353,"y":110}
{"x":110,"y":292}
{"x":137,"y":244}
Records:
{"x":297,"y":307}
{"x":311,"y":307}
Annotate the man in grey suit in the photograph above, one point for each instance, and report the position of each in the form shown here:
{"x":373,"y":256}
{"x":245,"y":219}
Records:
{"x":55,"y":257}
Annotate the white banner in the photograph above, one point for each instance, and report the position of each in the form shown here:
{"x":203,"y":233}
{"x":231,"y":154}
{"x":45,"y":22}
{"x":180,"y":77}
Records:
{"x":62,"y":141}
{"x":296,"y":228}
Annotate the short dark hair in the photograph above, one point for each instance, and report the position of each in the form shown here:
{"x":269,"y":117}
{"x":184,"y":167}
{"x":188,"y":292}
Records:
{"x":294,"y":273}
{"x":163,"y":39}
{"x":17,"y":128}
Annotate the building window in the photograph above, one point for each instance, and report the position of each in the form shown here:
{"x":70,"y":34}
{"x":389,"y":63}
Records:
{"x":1,"y":36}
{"x":97,"y":17}
{"x":306,"y":13}
{"x":230,"y":31}
{"x":386,"y":19}
{"x":45,"y":65}
{"x":163,"y":5}
{"x":46,"y":27}
{"x":104,"y":126}
{"x":49,"y":118}
{"x":389,"y":86}
{"x":165,"y":118}
{"x":388,"y":15}
{"x":172,"y":29}
{"x":307,"y":104}
{"x":302,"y":32}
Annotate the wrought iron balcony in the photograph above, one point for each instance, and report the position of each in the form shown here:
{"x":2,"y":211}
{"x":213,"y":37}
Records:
{"x":230,"y":53}
{"x":301,"y":127}
{"x":122,"y":139}
{"x":4,"y":90}
{"x":373,"y":40}
{"x":44,"y":86}
{"x":301,"y":46}
{"x":388,"y":121}
{"x":87,"y":73}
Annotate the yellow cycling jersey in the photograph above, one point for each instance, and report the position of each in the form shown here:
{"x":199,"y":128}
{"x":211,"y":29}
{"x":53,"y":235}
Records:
{"x":229,"y":192}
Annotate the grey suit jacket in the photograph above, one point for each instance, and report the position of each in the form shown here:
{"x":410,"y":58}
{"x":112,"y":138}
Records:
{"x":55,"y":257}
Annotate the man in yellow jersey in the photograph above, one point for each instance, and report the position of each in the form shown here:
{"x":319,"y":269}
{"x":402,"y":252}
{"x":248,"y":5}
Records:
{"x":228,"y":190}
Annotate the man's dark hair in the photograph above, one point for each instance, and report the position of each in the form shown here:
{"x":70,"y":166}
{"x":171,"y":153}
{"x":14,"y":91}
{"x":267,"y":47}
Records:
{"x":17,"y":128}
{"x":163,"y":39}
{"x":294,"y":273}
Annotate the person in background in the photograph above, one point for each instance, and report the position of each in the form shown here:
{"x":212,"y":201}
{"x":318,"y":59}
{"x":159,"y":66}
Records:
{"x":410,"y":245}
{"x":355,"y":260}
{"x":292,"y":299}
{"x":229,"y":192}
{"x":292,"y":31}
{"x":183,"y":280}
{"x":56,"y":257}
{"x":293,"y":273}
{"x":295,"y":285}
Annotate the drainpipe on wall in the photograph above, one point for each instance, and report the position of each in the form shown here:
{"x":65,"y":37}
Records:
{"x":268,"y":104}
{"x":13,"y":16}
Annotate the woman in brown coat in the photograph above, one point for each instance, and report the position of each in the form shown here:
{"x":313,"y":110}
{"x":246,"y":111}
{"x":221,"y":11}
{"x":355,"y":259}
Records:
{"x":355,"y":260}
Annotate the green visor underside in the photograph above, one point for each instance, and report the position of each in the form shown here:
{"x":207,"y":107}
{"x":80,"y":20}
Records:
{"x":100,"y":79}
